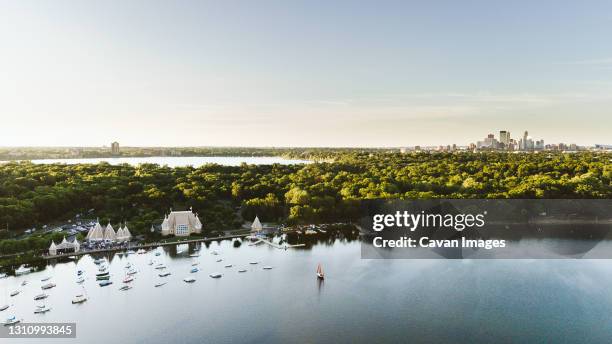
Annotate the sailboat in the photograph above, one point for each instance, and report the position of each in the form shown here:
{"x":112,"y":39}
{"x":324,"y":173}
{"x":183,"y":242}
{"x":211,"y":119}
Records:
{"x":41,"y":309}
{"x":320,"y":273}
{"x":41,"y":296}
{"x":11,"y":321}
{"x":80,"y":298}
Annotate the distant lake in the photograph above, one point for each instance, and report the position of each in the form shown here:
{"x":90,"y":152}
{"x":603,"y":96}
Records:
{"x":360,"y":301}
{"x":178,"y":161}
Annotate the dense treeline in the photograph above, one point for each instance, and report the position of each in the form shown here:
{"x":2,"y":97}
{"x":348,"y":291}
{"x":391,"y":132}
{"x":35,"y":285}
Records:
{"x":31,"y":153}
{"x":31,"y":195}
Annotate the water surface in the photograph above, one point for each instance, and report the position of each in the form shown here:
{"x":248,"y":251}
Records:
{"x":360,"y":301}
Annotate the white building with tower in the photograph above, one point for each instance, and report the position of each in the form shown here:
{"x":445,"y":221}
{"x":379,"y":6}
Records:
{"x":181,"y":223}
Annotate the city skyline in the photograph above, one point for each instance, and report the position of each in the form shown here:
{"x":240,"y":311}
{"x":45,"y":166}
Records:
{"x":302,"y":74}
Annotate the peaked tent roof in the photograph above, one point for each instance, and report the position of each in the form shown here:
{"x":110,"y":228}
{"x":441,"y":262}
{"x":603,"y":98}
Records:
{"x":96,"y":233}
{"x":109,"y":233}
{"x":126,"y":232}
{"x":256,"y":226}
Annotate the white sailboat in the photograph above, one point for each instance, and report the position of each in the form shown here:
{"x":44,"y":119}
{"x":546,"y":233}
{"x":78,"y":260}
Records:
{"x":41,"y":297}
{"x":11,"y":321}
{"x":80,"y":298}
{"x":22,"y":270}
{"x":41,"y":309}
{"x":320,"y":273}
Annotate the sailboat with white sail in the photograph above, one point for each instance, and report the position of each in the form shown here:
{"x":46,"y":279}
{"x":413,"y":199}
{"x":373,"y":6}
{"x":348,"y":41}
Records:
{"x":320,"y":273}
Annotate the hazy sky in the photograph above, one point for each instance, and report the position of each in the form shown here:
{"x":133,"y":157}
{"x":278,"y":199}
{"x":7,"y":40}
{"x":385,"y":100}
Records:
{"x":311,"y":73}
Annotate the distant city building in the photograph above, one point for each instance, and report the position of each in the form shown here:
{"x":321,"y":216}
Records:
{"x":115,"y":148}
{"x":504,"y":139}
{"x":181,"y":223}
{"x":488,"y":143}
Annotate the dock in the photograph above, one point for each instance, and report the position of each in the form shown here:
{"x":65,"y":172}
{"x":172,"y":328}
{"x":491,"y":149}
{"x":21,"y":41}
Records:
{"x":151,"y":245}
{"x":280,"y":247}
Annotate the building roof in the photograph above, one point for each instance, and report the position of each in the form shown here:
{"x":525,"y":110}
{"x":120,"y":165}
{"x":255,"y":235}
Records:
{"x":183,"y":218}
{"x":109,"y":233}
{"x":96,"y":233}
{"x":256,"y":226}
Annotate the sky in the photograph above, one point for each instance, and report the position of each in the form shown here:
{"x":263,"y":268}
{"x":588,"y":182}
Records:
{"x":303,"y":73}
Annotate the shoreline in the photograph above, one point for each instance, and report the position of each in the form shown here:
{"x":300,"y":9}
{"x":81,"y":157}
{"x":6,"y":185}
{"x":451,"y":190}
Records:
{"x":114,"y":249}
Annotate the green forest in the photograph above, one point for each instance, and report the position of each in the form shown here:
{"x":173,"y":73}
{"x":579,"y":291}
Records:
{"x":224,"y":196}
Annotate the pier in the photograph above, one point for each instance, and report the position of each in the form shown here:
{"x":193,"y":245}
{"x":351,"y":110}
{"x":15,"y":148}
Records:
{"x":280,"y":247}
{"x":151,"y":245}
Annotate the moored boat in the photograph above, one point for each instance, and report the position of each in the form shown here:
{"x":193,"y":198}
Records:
{"x":41,"y":296}
{"x":320,"y":273}
{"x":48,"y":286}
{"x":4,"y":307}
{"x":15,"y":293}
{"x":228,"y":265}
{"x":125,"y":287}
{"x":11,"y":321}
{"x":160,"y":284}
{"x":267,"y":267}
{"x":215,"y":275}
{"x":164,"y":274}
{"x":189,"y":280}
{"x":41,"y":309}
{"x":80,"y":298}
{"x":242,"y":270}
{"x":45,"y":279}
{"x":22,"y":270}
{"x":128,"y":279}
{"x":193,"y":270}
{"x":105,"y":283}
{"x":24,"y":283}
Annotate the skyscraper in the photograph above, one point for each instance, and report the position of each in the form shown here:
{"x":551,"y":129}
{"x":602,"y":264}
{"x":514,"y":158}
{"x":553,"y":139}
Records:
{"x":504,"y":139}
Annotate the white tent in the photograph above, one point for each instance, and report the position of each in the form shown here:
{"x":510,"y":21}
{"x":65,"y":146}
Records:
{"x":123,"y":234}
{"x":64,"y":245}
{"x":109,"y":233}
{"x":52,"y":249}
{"x":96,"y":233}
{"x":256,"y":226}
{"x":127,"y":236}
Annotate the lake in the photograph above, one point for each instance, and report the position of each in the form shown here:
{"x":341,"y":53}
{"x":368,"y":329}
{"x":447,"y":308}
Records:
{"x":360,"y":301}
{"x":177,"y":161}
